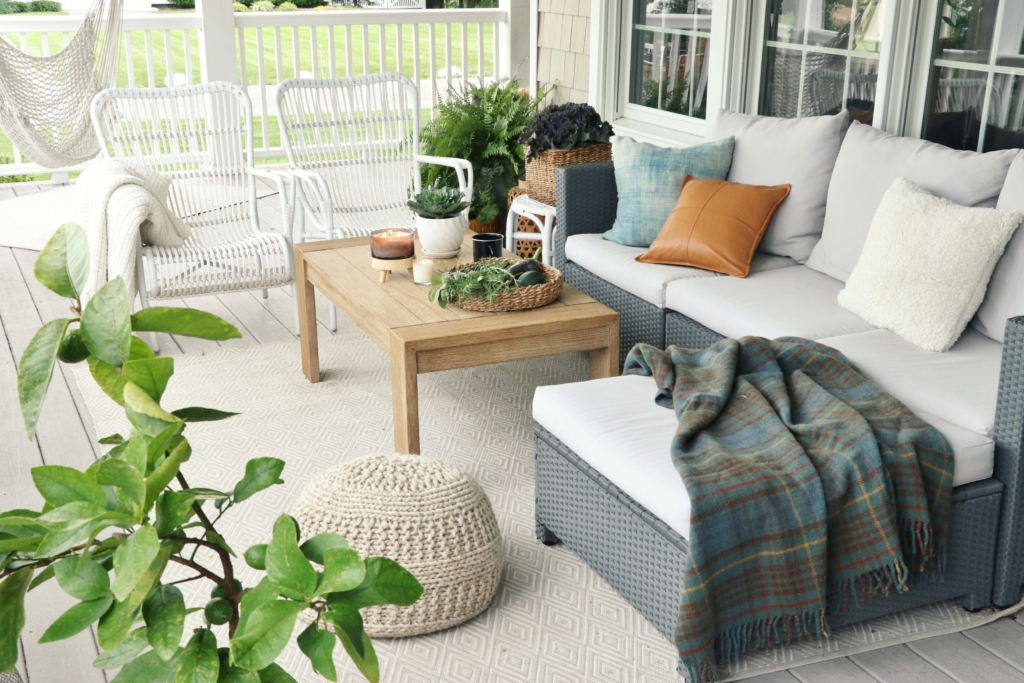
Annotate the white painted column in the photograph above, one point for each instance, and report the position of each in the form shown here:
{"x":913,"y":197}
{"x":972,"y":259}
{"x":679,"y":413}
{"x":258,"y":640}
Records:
{"x":217,"y":56}
{"x":515,"y":40}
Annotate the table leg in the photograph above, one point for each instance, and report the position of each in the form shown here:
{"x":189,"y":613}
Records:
{"x":405,"y":397}
{"x":605,"y":362}
{"x":306,"y":301}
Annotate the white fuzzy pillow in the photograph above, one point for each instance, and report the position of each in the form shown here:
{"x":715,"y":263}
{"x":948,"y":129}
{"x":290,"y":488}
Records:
{"x":926,"y":264}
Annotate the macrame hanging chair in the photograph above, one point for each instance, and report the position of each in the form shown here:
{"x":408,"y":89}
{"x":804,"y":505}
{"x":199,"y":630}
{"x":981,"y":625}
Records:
{"x":44,"y":101}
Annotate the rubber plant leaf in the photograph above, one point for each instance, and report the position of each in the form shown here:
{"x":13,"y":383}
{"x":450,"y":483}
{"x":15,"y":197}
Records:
{"x":260,"y":474}
{"x":63,"y":264}
{"x":36,"y":370}
{"x":286,"y":565}
{"x":266,"y":633}
{"x":188,"y":322}
{"x":12,"y":615}
{"x":82,"y":578}
{"x":164,"y":613}
{"x":77,"y":619}
{"x":106,"y":326}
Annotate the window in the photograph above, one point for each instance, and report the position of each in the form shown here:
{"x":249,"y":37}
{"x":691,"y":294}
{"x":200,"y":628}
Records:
{"x":821,"y":56}
{"x":668,"y":48}
{"x":977,"y":74}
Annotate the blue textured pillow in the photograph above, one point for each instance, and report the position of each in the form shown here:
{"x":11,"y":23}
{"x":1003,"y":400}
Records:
{"x":649,"y":179}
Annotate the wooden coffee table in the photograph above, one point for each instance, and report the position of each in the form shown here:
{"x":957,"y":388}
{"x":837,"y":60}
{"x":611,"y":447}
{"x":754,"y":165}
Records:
{"x":422,"y":337}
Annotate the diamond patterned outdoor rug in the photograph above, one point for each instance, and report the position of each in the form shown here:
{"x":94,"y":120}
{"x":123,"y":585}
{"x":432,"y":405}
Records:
{"x":553,"y":619}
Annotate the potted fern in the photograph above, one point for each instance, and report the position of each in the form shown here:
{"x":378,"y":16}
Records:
{"x":441,"y":220}
{"x":562,"y":134}
{"x":481,"y":124}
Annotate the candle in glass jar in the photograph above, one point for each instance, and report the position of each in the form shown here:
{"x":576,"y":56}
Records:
{"x":392,"y":243}
{"x":423,"y":272}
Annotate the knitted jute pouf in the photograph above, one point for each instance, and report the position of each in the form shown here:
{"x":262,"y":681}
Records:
{"x":430,"y":517}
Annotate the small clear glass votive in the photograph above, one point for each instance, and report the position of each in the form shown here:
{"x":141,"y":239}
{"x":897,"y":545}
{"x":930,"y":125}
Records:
{"x":423,"y":271}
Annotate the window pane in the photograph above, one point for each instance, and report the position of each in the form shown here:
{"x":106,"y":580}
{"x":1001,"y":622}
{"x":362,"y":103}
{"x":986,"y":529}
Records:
{"x":1005,"y":128}
{"x":970,"y":82}
{"x":669,"y":56}
{"x":965,"y":30}
{"x":957,"y":97}
{"x":821,"y":56}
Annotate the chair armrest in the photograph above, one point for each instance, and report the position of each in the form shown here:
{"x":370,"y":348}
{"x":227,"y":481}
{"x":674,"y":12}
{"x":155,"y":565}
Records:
{"x":1009,"y":466}
{"x":313,"y":198}
{"x":463,"y":170}
{"x":587,"y":199}
{"x":285,"y":182}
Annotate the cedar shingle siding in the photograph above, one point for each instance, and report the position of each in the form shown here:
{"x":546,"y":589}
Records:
{"x":563,"y":48}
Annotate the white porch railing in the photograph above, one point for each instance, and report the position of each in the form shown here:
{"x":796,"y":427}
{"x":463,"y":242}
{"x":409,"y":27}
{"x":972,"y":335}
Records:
{"x":435,"y":48}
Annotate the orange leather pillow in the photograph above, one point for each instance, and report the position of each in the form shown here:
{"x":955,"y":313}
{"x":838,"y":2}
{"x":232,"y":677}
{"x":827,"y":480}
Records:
{"x":715,"y":225}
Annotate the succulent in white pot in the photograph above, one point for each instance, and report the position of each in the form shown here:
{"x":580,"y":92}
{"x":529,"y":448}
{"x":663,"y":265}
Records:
{"x":441,"y":220}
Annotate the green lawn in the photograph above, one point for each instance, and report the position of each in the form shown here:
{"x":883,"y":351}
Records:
{"x":252,"y":56}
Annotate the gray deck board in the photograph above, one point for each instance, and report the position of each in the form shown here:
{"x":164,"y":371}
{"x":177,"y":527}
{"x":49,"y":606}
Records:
{"x":899,"y":663}
{"x":993,"y":653}
{"x":833,"y":671}
{"x":965,"y":661}
{"x":1003,"y":639}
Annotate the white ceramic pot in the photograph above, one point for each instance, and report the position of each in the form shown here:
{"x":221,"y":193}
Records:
{"x":441,"y":236}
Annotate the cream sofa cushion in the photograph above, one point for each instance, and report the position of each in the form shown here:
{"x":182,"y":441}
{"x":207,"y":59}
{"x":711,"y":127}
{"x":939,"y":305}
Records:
{"x":1005,"y":296}
{"x":869,"y":161}
{"x":926,"y":264}
{"x":959,"y":386}
{"x":798,"y":152}
{"x":617,"y":265}
{"x":796,"y":301}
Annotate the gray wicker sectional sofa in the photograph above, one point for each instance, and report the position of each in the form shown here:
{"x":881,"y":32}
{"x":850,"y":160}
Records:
{"x":605,"y":485}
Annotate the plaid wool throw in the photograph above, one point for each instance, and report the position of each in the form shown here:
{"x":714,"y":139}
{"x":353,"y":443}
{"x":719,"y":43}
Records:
{"x":810,"y":489}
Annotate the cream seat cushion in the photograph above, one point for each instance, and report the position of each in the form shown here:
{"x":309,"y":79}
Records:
{"x":615,"y":426}
{"x":617,"y":264}
{"x":959,"y":386}
{"x":797,"y":302}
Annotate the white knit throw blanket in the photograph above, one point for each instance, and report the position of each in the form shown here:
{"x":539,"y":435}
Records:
{"x":118,"y":201}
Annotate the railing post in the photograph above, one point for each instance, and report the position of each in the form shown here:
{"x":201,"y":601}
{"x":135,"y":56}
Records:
{"x":217,"y":56}
{"x":515,"y":39}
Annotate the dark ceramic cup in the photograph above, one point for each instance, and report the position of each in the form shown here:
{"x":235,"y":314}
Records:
{"x":486,"y":245}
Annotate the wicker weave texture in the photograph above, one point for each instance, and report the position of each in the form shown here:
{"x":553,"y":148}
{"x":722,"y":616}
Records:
{"x":688,"y":334}
{"x":642,"y":558}
{"x":1009,"y":438}
{"x":587,"y":200}
{"x":430,"y":517}
{"x":639,"y":321}
{"x":540,"y":172}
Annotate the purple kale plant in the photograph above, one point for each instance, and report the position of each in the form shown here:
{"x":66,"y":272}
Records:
{"x":564,"y":126}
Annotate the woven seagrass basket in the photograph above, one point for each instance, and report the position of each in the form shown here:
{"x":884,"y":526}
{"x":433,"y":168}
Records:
{"x":540,"y":172}
{"x":520,"y":299}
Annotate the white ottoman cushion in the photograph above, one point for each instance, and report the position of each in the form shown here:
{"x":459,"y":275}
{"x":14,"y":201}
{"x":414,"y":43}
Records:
{"x":615,"y":426}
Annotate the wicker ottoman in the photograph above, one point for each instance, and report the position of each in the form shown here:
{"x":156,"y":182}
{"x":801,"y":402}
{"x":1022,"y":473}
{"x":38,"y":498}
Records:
{"x":430,"y":517}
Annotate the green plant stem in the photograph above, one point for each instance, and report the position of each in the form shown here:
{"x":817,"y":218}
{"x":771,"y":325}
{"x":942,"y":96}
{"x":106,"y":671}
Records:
{"x":225,"y":559}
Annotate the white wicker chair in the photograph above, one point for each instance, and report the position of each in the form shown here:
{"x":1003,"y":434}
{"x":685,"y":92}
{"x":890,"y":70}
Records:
{"x":353,"y":144}
{"x":202,"y":138}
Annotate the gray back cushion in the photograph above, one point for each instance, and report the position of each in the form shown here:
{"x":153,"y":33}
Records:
{"x":798,"y":152}
{"x":869,"y":161}
{"x":1005,"y":296}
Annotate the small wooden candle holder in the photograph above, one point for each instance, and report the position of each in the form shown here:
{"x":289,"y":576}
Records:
{"x":387,"y":265}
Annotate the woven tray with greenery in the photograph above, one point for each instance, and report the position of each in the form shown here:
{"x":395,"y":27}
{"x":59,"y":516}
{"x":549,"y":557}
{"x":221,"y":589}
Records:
{"x":493,"y":290}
